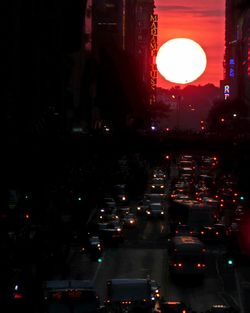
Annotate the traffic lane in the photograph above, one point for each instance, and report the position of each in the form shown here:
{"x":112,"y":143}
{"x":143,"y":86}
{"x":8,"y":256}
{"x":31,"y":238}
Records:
{"x":143,"y":254}
{"x":242,"y":278}
{"x":131,"y":263}
{"x":200,"y":294}
{"x":149,"y":233}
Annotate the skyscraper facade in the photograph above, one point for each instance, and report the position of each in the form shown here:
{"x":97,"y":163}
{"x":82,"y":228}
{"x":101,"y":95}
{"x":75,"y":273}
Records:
{"x":122,"y":28}
{"x":237,"y":51}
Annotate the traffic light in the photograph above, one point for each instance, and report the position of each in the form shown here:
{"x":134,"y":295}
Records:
{"x":99,"y":260}
{"x":230,"y":262}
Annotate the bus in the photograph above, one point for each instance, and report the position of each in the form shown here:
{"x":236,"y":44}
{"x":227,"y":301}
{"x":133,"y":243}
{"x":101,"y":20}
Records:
{"x":187,"y":255}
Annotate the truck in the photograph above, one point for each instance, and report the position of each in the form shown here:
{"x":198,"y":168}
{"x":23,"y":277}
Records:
{"x":129,"y":295}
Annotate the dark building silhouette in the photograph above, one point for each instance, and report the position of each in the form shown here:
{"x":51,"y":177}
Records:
{"x":121,"y":47}
{"x":237,"y":51}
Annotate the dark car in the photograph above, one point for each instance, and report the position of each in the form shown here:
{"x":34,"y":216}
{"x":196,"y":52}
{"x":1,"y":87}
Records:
{"x":221,"y":308}
{"x":183,"y":229}
{"x":120,"y":194}
{"x":110,"y":234}
{"x":216,"y":232}
{"x":171,"y":307}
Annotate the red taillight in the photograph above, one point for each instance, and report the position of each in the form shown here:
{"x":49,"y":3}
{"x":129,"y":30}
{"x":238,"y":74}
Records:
{"x":176,"y":231}
{"x":200,"y":265}
{"x":217,"y":233}
{"x":18,"y":295}
{"x":202,"y":232}
{"x":178,"y":265}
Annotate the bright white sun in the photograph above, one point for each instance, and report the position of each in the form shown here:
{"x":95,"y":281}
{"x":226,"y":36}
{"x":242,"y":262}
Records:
{"x":181,"y":60}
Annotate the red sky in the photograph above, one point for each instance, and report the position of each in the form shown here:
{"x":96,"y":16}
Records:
{"x":200,"y":20}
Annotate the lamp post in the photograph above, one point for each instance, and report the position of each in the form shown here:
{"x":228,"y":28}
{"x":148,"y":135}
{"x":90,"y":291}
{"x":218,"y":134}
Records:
{"x":178,"y":110}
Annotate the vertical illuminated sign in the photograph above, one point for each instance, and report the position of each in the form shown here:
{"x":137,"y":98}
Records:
{"x":226,"y":92}
{"x":153,"y":52}
{"x":123,"y":23}
{"x":231,"y":68}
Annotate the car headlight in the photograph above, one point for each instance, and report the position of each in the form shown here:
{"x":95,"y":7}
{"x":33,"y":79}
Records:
{"x":148,"y":212}
{"x":162,"y":212}
{"x":138,"y":208}
{"x":153,"y":186}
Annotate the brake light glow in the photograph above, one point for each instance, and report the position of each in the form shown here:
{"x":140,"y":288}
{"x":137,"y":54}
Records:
{"x":18,"y":295}
{"x":200,"y":265}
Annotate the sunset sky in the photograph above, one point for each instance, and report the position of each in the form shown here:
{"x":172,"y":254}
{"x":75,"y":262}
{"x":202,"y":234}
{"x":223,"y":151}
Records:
{"x":200,"y":20}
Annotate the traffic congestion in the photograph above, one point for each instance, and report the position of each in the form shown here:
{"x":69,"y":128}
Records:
{"x":178,"y":247}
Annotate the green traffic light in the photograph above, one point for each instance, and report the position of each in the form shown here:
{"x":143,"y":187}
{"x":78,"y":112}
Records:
{"x":241,"y":198}
{"x":230,"y":262}
{"x":99,"y":260}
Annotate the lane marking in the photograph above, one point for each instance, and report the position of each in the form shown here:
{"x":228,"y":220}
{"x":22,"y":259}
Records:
{"x":98,"y":267}
{"x":239,"y":291}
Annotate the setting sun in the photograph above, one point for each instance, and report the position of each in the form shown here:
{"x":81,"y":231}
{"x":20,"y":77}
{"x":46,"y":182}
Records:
{"x":181,"y":60}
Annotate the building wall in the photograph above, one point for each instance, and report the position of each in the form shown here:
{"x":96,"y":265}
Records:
{"x":246,"y":57}
{"x":236,"y":78}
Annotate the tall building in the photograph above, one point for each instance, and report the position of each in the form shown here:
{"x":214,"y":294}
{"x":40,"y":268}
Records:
{"x":237,"y":51}
{"x":121,"y":32}
{"x":245,"y":53}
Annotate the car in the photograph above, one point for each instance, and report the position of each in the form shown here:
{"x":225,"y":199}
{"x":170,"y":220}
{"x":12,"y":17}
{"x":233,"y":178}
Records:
{"x":155,"y":209}
{"x":155,"y":290}
{"x":158,"y":187}
{"x":221,"y":308}
{"x":110,"y":233}
{"x":215,"y":232}
{"x":120,"y":194}
{"x":141,"y":207}
{"x":109,"y":202}
{"x":183,"y":229}
{"x":171,"y":307}
{"x":129,"y":220}
{"x":123,"y":211}
{"x":95,"y":248}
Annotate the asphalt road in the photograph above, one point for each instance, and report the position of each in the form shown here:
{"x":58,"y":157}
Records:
{"x":144,"y":254}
